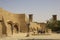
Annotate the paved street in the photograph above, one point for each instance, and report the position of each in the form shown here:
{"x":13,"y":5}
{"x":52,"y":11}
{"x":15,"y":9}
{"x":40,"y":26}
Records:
{"x":21,"y":36}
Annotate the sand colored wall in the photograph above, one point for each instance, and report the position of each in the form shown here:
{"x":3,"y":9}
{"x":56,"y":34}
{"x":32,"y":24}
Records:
{"x":20,"y":19}
{"x":35,"y":26}
{"x":7,"y":16}
{"x":15,"y":18}
{"x":0,"y":26}
{"x":43,"y":26}
{"x":0,"y":29}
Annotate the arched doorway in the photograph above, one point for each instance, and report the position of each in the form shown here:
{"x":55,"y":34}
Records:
{"x":15,"y":28}
{"x":10,"y":25}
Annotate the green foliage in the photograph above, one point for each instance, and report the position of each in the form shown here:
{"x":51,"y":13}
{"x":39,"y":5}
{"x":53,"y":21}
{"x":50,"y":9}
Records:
{"x":58,"y":23}
{"x":54,"y":25}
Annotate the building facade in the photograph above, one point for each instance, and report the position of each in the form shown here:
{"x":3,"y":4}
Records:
{"x":12,"y":23}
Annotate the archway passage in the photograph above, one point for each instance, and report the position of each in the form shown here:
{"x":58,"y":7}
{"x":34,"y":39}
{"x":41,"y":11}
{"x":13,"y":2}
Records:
{"x":10,"y":25}
{"x":15,"y":28}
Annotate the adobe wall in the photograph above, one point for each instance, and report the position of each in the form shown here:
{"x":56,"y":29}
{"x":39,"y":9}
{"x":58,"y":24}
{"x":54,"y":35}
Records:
{"x":34,"y":26}
{"x":15,"y":18}
{"x":22,"y":22}
{"x":0,"y":30}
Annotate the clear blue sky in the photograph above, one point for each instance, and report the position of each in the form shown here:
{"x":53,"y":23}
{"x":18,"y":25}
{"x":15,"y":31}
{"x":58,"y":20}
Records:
{"x":41,"y":9}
